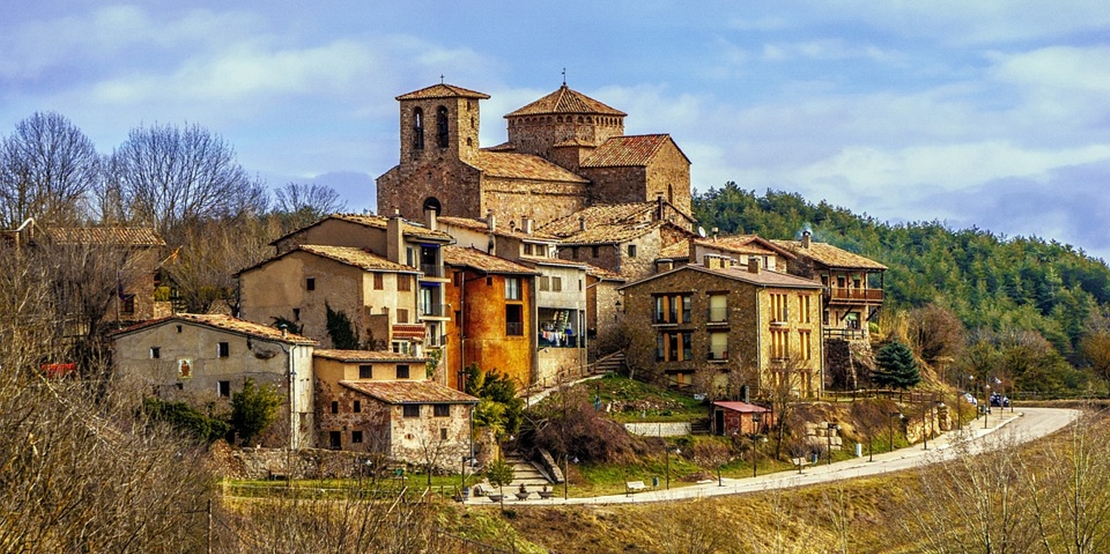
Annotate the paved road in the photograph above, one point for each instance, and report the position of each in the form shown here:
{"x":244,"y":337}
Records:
{"x":1002,"y":430}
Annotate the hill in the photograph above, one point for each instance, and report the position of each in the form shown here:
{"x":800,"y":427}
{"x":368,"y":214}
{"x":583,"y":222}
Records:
{"x":1006,"y":291}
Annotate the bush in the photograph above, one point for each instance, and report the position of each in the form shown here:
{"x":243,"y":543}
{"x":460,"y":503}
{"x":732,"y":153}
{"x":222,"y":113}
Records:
{"x":186,"y":419}
{"x":253,"y":409}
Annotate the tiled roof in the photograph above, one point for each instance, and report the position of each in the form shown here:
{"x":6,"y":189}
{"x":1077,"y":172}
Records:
{"x":604,"y":274}
{"x":606,"y":224}
{"x":365,"y":356}
{"x":830,"y":256}
{"x":223,"y":323}
{"x":677,"y":251}
{"x":626,"y":151}
{"x":355,"y":257}
{"x":410,"y":392}
{"x":566,"y":100}
{"x":744,"y":244}
{"x":443,"y":90}
{"x":742,"y":407}
{"x":503,"y":229}
{"x":543,"y":260}
{"x":764,"y":278}
{"x":459,"y":256}
{"x":408,"y":228}
{"x":523,"y":166}
{"x":123,"y":236}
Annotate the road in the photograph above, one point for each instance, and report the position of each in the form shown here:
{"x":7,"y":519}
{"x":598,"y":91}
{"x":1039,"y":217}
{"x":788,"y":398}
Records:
{"x":1007,"y":429}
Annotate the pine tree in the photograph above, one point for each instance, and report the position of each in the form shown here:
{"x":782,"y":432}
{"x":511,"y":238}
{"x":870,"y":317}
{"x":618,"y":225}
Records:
{"x":897,"y":367}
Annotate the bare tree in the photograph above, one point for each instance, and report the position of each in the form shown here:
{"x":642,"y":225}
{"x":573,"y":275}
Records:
{"x":299,"y":204}
{"x":936,"y":332}
{"x":47,"y":166}
{"x":167,"y":176}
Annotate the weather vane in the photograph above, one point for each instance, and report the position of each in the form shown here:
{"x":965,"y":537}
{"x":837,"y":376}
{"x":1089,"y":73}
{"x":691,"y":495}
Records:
{"x":564,"y":76}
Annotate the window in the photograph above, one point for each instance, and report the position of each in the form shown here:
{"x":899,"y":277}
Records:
{"x":631,"y":250}
{"x":512,"y":288}
{"x":514,"y":320}
{"x":223,"y":389}
{"x":411,"y":410}
{"x":296,"y":314}
{"x":357,"y":407}
{"x":442,"y":433}
{"x":527,"y":249}
{"x":545,"y":282}
{"x":574,"y":252}
{"x":334,"y":407}
{"x":557,"y":284}
{"x":778,"y":308}
{"x":718,"y":308}
{"x":593,"y":252}
{"x":366,"y":371}
{"x":779,"y":350}
{"x":402,"y":371}
{"x":310,"y":283}
{"x":402,"y":315}
{"x":223,"y":350}
{"x":335,"y":440}
{"x":718,"y":346}
{"x":418,"y":129}
{"x":155,"y":352}
{"x":674,"y":347}
{"x":803,"y":307}
{"x":379,"y":281}
{"x":404,"y":282}
{"x":127,"y":304}
{"x":178,"y":328}
{"x":489,"y":281}
{"x":410,"y":257}
{"x":441,"y":127}
{"x":356,"y":437}
{"x":806,"y":346}
{"x":401,"y":347}
{"x":442,"y":410}
{"x":673,"y":308}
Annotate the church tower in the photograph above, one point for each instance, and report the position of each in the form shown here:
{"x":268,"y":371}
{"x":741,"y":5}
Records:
{"x":438,"y":122}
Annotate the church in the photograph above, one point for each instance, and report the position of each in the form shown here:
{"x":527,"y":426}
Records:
{"x":565,"y":152}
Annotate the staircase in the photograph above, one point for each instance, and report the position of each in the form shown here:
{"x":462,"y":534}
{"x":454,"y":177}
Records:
{"x":612,"y":363}
{"x":524,"y":473}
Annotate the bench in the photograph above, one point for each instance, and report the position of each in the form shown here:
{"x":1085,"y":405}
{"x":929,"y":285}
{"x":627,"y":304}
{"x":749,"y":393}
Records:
{"x":634,"y":486}
{"x":800,"y":462}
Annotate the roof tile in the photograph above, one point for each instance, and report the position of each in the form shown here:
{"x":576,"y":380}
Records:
{"x":459,"y":256}
{"x":443,"y":90}
{"x":626,"y":151}
{"x":224,"y":323}
{"x":128,"y":236}
{"x":566,"y":100}
{"x":523,"y":166}
{"x":410,"y":392}
{"x":830,"y":255}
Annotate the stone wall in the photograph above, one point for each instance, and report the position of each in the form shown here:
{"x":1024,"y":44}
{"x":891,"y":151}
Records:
{"x":670,"y":429}
{"x":267,"y":463}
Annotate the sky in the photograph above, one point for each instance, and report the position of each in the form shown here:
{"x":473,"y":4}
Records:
{"x":989,"y":113}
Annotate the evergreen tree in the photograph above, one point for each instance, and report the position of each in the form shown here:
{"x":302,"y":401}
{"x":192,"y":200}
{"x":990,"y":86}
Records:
{"x":253,"y":409}
{"x":340,"y":330}
{"x":897,"y":367}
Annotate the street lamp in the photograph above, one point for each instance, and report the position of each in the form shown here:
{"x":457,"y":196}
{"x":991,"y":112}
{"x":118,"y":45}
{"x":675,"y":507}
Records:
{"x":832,"y":429}
{"x":891,"y":421}
{"x":676,"y":451}
{"x":462,"y":490}
{"x":756,"y":439}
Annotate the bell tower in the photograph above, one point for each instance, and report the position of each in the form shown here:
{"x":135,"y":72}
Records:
{"x":439,"y":122}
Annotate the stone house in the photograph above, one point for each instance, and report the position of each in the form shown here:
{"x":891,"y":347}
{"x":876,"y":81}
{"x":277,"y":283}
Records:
{"x":494,"y":320}
{"x":384,"y":403}
{"x":721,"y":327}
{"x":853,"y":284}
{"x":299,"y":285}
{"x":202,"y":359}
{"x":740,"y":248}
{"x":625,"y":239}
{"x":410,"y":244}
{"x":565,"y":152}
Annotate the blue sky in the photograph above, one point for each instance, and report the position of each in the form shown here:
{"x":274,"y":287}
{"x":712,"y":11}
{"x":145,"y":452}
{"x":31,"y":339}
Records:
{"x":989,"y":113}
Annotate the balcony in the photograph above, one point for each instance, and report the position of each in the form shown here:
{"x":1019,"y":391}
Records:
{"x":433,"y":271}
{"x":845,"y":334}
{"x":432,"y":310}
{"x":854,"y":295}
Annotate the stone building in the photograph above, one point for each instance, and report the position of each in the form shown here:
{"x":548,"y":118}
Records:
{"x":384,"y":403}
{"x":565,"y":152}
{"x":721,"y":326}
{"x":493,"y":322}
{"x":740,"y":248}
{"x":203,"y":359}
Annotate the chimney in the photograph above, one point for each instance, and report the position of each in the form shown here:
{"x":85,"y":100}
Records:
{"x":806,"y":235}
{"x":430,"y":218}
{"x":491,"y":221}
{"x":526,"y":225}
{"x":394,"y":238}
{"x":581,"y":223}
{"x":715,"y":231}
{"x":745,"y":393}
{"x":753,"y":265}
{"x":692,"y":253}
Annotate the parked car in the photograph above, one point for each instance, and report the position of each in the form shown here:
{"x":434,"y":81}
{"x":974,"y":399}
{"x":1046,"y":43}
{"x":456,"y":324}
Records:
{"x":970,"y":399}
{"x":999,"y":401}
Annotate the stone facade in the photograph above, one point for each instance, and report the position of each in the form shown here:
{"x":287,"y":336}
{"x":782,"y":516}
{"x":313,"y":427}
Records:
{"x":204,"y":359}
{"x":724,"y":320}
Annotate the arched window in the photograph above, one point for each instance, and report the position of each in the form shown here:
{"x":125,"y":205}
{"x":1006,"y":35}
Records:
{"x":432,"y":203}
{"x":418,"y":129}
{"x":441,"y":127}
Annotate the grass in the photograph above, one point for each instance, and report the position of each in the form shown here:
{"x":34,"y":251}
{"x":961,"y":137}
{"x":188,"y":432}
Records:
{"x":634,"y":401}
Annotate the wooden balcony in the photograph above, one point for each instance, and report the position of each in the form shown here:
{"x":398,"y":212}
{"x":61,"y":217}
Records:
{"x":850,"y":295}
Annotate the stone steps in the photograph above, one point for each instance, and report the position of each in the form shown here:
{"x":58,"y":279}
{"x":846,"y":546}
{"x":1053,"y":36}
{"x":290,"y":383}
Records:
{"x":613,"y":363}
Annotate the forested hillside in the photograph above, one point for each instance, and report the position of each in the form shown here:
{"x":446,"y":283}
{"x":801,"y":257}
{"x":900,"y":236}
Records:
{"x":1007,"y":291}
